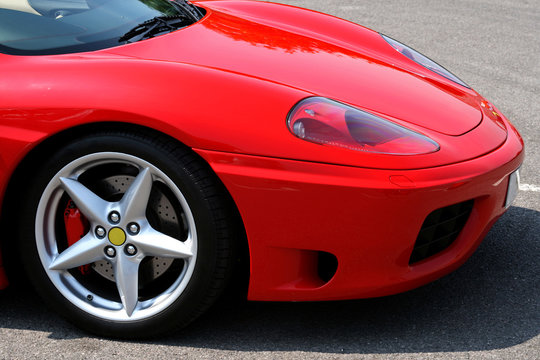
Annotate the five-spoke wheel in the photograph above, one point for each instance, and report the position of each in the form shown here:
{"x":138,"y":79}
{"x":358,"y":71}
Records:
{"x":124,"y":237}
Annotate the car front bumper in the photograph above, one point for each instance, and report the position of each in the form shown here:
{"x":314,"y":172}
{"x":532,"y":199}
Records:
{"x":368,"y":219}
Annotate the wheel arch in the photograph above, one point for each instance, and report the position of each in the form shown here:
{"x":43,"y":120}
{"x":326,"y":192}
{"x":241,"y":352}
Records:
{"x":23,"y":171}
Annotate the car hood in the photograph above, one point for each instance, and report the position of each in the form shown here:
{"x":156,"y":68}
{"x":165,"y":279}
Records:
{"x":321,"y":55}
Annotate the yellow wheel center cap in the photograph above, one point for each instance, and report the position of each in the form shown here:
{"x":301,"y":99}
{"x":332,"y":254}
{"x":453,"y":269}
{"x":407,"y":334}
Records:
{"x":117,"y":236}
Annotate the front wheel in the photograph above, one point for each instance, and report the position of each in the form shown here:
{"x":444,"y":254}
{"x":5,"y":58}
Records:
{"x":129,"y":235}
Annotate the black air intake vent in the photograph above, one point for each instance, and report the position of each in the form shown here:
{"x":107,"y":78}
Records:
{"x":440,"y":229}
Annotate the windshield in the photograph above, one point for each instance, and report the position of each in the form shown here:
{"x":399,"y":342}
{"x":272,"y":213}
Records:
{"x":44,"y":27}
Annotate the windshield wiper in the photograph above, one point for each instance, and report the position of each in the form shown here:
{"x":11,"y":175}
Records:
{"x":155,"y":26}
{"x":189,"y":9}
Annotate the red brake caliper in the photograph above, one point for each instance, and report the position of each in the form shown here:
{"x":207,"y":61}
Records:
{"x":76,"y":227}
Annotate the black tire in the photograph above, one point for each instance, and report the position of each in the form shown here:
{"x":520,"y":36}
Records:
{"x":198,"y":216}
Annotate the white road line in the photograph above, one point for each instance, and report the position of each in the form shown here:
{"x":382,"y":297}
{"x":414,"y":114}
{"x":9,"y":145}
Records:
{"x":529,"y":187}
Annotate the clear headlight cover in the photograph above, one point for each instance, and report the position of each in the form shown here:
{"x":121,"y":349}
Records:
{"x":328,"y":122}
{"x":423,"y":60}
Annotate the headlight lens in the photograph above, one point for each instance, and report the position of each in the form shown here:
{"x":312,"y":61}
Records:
{"x":423,"y":60}
{"x":328,"y":122}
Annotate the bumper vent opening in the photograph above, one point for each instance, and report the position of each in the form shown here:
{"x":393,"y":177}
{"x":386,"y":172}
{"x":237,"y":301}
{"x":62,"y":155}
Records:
{"x":326,"y":266}
{"x":440,"y":229}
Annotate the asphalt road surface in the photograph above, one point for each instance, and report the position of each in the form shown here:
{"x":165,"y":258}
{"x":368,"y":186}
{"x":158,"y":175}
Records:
{"x":487,"y":309}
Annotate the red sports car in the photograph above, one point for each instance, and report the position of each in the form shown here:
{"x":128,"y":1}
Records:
{"x":148,"y":147}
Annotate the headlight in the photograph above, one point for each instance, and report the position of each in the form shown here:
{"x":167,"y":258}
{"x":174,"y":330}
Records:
{"x":328,"y":122}
{"x":423,"y":60}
